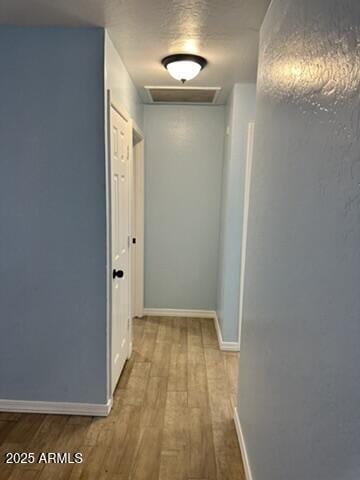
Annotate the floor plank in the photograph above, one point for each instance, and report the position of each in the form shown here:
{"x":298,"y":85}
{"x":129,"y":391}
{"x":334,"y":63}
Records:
{"x":208,"y":332}
{"x":202,"y":454}
{"x":5,"y":429}
{"x":176,"y":423}
{"x":145,"y":346}
{"x":147,"y":461}
{"x":134,"y":392}
{"x":173,"y":465}
{"x":121,"y":457}
{"x":165,"y":330}
{"x":194,"y":332}
{"x":153,"y":411}
{"x":178,"y":373}
{"x":48,"y":434}
{"x":71,"y":440}
{"x":161,"y":360}
{"x":25,"y":429}
{"x":197,"y":381}
{"x":23,"y":474}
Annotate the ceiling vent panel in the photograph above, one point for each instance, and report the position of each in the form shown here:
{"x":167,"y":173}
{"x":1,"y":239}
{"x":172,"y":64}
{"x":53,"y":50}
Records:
{"x":191,"y":95}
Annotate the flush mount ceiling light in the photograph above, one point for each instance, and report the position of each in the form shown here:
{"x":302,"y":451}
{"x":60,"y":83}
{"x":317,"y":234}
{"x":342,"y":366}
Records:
{"x":184,"y":66}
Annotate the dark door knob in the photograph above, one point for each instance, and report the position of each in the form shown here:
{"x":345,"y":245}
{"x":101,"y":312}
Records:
{"x":118,"y":273}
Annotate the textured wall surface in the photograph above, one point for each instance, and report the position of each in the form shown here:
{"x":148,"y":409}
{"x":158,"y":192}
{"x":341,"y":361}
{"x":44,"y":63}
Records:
{"x":240,"y":111}
{"x":119,"y":81}
{"x":299,"y":371}
{"x":52,"y":215}
{"x":183,"y":165}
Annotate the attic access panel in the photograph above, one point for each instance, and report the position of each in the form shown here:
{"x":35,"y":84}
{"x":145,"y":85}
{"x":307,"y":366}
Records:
{"x":195,"y":95}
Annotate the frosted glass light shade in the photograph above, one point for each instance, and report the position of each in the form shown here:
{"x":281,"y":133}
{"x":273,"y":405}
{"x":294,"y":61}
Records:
{"x":183,"y":70}
{"x":184,"y":66}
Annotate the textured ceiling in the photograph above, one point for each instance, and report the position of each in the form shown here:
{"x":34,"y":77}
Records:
{"x":144,"y":31}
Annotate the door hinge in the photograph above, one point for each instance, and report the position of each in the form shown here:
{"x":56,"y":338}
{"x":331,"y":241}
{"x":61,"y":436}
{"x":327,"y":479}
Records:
{"x":128,"y":152}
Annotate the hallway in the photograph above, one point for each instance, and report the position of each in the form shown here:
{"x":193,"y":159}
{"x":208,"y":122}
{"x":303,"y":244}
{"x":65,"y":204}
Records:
{"x":171,"y":419}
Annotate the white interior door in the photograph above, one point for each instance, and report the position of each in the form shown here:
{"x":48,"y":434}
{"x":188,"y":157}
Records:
{"x":120,"y":228}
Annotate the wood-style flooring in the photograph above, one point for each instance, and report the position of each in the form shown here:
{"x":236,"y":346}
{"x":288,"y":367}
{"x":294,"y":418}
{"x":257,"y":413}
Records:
{"x":172,"y":417}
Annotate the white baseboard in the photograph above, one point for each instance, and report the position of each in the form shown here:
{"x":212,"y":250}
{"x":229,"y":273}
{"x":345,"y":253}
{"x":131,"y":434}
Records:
{"x":170,"y":312}
{"x":242,"y":444}
{"x":225,"y":346}
{"x":56,"y":408}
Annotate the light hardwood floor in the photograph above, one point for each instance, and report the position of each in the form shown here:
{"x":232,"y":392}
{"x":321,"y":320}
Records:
{"x":171,"y":419}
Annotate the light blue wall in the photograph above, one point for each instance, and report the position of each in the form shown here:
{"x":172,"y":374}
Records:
{"x":52,"y":215}
{"x":240,"y":110}
{"x":299,"y":371}
{"x":119,"y":81}
{"x":183,"y":165}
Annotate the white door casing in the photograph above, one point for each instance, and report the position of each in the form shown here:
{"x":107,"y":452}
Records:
{"x":133,"y":213}
{"x":137,"y":213}
{"x":120,"y":230}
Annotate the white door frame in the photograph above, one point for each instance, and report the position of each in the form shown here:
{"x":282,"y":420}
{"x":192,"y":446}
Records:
{"x":112,"y":101}
{"x":137,"y":221}
{"x":248,"y":169}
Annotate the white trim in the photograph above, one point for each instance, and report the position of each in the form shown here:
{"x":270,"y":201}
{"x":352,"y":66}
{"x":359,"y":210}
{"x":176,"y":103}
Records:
{"x":108,"y":225}
{"x":248,"y":168}
{"x":137,"y":221}
{"x":170,"y":312}
{"x":225,"y":346}
{"x":115,"y":102}
{"x":57,"y":408}
{"x":131,"y":235}
{"x":244,"y":453}
{"x":138,"y":134}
